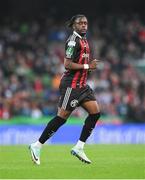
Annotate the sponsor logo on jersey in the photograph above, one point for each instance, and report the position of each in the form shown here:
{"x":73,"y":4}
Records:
{"x":85,"y":55}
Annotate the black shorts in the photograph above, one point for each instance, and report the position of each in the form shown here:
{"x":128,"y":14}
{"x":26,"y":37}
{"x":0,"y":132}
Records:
{"x":71,"y":98}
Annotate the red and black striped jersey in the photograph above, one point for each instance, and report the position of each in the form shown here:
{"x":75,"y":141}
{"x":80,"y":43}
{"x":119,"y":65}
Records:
{"x":77,"y":50}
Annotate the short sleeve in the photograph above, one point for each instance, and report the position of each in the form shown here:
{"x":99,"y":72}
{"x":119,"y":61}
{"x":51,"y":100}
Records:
{"x":71,"y":48}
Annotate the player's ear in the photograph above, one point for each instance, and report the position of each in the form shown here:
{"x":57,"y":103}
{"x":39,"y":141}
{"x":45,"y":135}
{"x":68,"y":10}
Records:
{"x":73,"y":26}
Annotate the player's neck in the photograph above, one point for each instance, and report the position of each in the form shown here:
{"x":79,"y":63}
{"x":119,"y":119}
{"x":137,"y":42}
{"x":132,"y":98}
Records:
{"x":80,"y":35}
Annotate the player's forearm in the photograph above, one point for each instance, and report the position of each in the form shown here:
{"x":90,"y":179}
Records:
{"x":74,"y":66}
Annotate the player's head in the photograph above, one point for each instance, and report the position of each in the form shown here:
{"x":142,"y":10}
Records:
{"x":79,"y":23}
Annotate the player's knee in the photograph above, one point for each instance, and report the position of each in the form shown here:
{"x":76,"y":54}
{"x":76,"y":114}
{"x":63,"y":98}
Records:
{"x":63,"y":114}
{"x":91,"y":120}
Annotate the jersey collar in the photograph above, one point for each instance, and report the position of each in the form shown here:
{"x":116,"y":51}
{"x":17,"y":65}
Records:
{"x":74,"y":32}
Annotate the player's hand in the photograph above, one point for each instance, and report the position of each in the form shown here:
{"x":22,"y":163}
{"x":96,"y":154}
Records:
{"x":93,"y":64}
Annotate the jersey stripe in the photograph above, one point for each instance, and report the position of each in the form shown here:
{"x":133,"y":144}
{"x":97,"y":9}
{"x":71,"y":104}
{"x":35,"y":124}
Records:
{"x":84,"y":73}
{"x":83,"y":77}
{"x":74,"y":81}
{"x":87,"y":61}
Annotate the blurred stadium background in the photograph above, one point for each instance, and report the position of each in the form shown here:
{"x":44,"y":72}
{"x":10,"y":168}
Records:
{"x":32,"y":36}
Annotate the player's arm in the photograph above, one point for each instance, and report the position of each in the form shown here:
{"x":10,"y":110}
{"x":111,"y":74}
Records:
{"x":71,"y":49}
{"x":93,"y":64}
{"x":69,"y":64}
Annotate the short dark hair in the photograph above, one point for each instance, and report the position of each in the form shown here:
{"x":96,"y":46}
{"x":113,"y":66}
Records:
{"x":70,"y":22}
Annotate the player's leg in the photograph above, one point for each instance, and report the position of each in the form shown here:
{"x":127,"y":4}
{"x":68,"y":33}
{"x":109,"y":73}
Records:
{"x":93,"y":110}
{"x":52,"y":126}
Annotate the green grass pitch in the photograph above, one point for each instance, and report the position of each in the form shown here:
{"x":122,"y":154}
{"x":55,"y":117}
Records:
{"x":108,"y":161}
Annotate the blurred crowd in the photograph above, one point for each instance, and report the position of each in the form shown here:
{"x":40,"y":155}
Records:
{"x":31,"y":65}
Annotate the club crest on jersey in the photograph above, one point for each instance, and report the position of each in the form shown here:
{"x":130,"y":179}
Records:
{"x":74,"y":103}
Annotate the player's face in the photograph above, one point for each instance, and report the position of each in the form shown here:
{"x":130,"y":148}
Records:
{"x":81,"y":25}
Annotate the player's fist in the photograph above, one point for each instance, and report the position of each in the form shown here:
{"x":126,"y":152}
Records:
{"x":93,"y":64}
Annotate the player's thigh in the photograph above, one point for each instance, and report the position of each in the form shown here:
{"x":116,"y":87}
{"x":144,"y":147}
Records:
{"x":92,"y":107}
{"x":63,"y":113}
{"x":68,"y":101}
